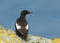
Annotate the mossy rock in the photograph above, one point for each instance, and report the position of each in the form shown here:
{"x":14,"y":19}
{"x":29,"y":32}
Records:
{"x":9,"y":36}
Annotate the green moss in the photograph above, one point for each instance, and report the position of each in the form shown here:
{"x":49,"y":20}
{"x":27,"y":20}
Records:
{"x":37,"y":42}
{"x":32,"y":42}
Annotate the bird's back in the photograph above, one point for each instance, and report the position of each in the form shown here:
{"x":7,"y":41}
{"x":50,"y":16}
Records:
{"x":21,"y":22}
{"x":22,"y":32}
{"x":22,"y":25}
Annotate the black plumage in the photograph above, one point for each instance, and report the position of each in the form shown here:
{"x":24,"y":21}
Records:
{"x":21,"y":30}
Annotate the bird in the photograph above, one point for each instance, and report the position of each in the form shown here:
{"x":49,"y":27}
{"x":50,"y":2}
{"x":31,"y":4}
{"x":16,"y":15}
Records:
{"x":21,"y":25}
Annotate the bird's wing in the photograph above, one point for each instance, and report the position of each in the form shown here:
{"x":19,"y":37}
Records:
{"x":27,"y":27}
{"x":18,"y":26}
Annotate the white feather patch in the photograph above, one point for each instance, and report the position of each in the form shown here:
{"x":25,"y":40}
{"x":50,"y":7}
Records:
{"x":17,"y":26}
{"x":27,"y":26}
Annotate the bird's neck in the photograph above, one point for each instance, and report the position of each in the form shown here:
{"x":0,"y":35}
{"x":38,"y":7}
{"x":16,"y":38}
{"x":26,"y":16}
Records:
{"x":23,"y":17}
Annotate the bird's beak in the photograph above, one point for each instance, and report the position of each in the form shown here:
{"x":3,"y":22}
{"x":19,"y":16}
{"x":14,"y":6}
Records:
{"x":30,"y":13}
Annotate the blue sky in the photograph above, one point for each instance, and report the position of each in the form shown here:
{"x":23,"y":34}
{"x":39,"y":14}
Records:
{"x":44,"y":21}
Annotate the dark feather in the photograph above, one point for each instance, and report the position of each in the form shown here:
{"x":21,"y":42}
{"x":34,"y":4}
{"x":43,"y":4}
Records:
{"x":21,"y":21}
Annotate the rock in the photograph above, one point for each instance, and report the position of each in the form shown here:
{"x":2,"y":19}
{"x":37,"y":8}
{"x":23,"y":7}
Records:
{"x":9,"y":36}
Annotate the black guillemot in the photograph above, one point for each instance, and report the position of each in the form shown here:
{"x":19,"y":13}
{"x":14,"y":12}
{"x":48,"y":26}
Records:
{"x":21,"y":25}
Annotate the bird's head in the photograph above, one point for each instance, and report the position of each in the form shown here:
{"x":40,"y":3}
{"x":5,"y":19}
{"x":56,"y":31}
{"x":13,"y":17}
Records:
{"x":25,"y":12}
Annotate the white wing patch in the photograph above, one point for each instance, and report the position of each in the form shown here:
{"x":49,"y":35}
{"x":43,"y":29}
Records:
{"x":17,"y":26}
{"x":27,"y":26}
